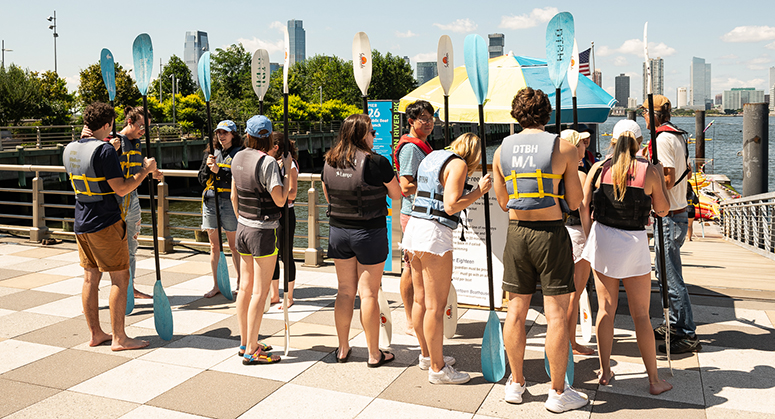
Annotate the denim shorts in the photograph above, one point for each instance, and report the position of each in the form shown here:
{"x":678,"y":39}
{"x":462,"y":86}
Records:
{"x":228,"y":220}
{"x":368,"y":246}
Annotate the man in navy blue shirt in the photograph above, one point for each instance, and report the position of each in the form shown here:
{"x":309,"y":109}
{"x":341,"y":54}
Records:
{"x":96,"y":176}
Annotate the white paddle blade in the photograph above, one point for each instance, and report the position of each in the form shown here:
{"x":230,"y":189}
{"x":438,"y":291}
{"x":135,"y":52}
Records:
{"x":646,"y":57}
{"x":385,"y":321}
{"x":259,"y":71}
{"x":287,"y":64}
{"x":450,"y":313}
{"x":445,"y":64}
{"x":362,"y":61}
{"x":573,"y":70}
{"x":585,"y":314}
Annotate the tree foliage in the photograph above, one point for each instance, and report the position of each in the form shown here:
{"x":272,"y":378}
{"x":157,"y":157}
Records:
{"x":92,"y":88}
{"x":57,"y":103}
{"x":299,"y":110}
{"x":183,"y":79}
{"x":20,"y":95}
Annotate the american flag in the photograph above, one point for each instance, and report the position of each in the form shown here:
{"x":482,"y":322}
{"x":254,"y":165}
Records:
{"x":584,"y":62}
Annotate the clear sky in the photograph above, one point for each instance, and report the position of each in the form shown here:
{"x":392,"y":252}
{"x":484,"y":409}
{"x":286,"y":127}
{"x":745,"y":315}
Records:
{"x":737,"y":39}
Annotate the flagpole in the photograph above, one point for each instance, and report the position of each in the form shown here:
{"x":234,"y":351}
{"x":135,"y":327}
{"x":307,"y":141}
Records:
{"x":592,"y":61}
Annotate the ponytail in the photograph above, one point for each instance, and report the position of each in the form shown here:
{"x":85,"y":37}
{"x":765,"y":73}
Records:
{"x":623,"y":163}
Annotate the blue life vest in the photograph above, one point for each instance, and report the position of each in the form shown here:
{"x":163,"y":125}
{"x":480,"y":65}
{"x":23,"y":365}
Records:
{"x":429,"y":198}
{"x":79,"y":163}
{"x":222,"y":179}
{"x":526,"y":162}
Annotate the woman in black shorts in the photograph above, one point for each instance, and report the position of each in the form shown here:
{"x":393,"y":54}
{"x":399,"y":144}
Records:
{"x":260,"y":193}
{"x":356,"y":182}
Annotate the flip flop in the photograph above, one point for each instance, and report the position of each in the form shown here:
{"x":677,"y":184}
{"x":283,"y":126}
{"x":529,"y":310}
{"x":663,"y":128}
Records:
{"x":382,"y":360}
{"x":260,"y":358}
{"x":264,"y":347}
{"x":346,"y":357}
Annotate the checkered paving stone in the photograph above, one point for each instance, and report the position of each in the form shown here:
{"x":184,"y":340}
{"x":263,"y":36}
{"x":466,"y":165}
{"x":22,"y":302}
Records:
{"x":47,"y":368}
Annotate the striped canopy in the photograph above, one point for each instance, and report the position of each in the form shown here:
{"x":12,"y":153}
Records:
{"x":509,"y":74}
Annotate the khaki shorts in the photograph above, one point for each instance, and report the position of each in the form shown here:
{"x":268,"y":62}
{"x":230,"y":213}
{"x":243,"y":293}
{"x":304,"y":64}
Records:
{"x":538,"y":251}
{"x":106,"y":249}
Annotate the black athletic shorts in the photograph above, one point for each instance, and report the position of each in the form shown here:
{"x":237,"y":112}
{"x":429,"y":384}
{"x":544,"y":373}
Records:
{"x":256,"y":242}
{"x":368,"y":246}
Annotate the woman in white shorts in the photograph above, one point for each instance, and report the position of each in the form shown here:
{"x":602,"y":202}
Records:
{"x":441,"y":181}
{"x":624,"y":189}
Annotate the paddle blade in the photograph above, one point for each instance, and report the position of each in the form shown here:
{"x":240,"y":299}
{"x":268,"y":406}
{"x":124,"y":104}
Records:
{"x":560,"y":33}
{"x":477,"y":67}
{"x":385,"y":321}
{"x":450,"y":314}
{"x":569,"y":370}
{"x":573,"y":70}
{"x":162,"y":313}
{"x":108,"y":72}
{"x":646,"y":57}
{"x":203,"y":71}
{"x":224,"y":283}
{"x":585,"y":314}
{"x":130,"y":291}
{"x":493,"y":355}
{"x":287,"y":40}
{"x":445,"y":64}
{"x":142,"y":53}
{"x":259,"y":70}
{"x":362,"y":61}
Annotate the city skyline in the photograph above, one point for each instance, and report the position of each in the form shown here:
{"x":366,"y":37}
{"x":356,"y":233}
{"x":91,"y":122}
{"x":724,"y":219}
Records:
{"x":740,"y":44}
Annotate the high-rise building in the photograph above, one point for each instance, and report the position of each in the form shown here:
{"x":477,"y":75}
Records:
{"x":407,"y":60}
{"x":719,"y":99}
{"x":297,"y":41}
{"x":632,"y":103}
{"x":681,"y":97}
{"x":196,"y":44}
{"x":497,"y":43}
{"x":622,"y":89}
{"x":274,"y":67}
{"x":426,"y":71}
{"x":771,"y":88}
{"x":739,"y":96}
{"x":597,"y":78}
{"x":657,"y":78}
{"x":699,"y":83}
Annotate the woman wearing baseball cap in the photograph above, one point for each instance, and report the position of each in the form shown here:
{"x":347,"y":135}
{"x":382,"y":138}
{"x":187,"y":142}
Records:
{"x":215,"y":176}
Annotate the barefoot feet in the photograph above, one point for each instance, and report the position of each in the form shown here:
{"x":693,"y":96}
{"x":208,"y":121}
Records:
{"x":100,"y":338}
{"x":582,"y":350}
{"x":605,"y":380}
{"x":213,"y":292}
{"x":141,"y":295}
{"x":127,"y":344}
{"x":659,"y":387}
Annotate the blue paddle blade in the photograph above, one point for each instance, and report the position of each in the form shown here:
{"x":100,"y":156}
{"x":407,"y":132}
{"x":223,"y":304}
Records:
{"x":108,"y":72}
{"x":569,"y":370}
{"x":477,"y":65}
{"x":203,"y":71}
{"x":130,"y":292}
{"x":142,"y":53}
{"x":162,"y":313}
{"x":560,"y":33}
{"x":493,"y":355}
{"x":224,"y":283}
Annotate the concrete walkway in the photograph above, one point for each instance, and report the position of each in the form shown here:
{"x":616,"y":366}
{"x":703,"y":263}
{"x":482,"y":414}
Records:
{"x":48,"y":370}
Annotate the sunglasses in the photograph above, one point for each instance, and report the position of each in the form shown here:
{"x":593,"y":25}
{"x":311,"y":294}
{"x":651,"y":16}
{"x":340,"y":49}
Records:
{"x":373,"y":132}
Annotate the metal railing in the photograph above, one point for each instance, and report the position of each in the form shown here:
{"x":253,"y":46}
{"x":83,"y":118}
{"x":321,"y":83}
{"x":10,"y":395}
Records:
{"x":750,"y":222}
{"x":38,"y":228}
{"x":51,"y":135}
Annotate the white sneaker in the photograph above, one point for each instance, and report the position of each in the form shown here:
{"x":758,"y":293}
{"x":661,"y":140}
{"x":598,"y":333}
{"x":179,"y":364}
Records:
{"x":569,"y":399}
{"x":514,"y":391}
{"x":425,"y":363}
{"x":447,"y":375}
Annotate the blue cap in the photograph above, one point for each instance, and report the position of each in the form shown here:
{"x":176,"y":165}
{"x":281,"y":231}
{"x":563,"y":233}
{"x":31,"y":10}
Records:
{"x":258,"y":123}
{"x":226,"y":126}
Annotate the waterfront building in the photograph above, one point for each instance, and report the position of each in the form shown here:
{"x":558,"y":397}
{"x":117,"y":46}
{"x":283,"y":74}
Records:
{"x":632,"y":103}
{"x":426,"y":71}
{"x":699,"y":83}
{"x":681,"y":97}
{"x":622,"y":89}
{"x":274,"y":67}
{"x":497,"y":43}
{"x":771,"y":89}
{"x":297,"y":42}
{"x":195,"y":45}
{"x":719,"y":98}
{"x":739,"y":96}
{"x":597,"y":78}
{"x":657,"y":77}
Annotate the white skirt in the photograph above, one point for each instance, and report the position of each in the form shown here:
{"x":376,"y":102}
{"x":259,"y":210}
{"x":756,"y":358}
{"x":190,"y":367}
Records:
{"x":617,"y":253}
{"x":578,"y":238}
{"x":423,"y":235}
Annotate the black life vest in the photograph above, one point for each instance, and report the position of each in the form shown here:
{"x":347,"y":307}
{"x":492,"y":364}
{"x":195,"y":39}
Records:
{"x":221,"y":181}
{"x":633,"y":211}
{"x":349,"y":196}
{"x":254,"y":201}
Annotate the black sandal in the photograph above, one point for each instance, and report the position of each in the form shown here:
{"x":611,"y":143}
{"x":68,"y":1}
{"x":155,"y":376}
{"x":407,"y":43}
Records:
{"x":346,"y":357}
{"x":382,"y":360}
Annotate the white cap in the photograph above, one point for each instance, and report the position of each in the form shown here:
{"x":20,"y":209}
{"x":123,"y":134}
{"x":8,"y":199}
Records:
{"x":626,"y":125}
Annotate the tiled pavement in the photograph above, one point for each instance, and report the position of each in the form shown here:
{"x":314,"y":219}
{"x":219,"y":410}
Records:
{"x":48,"y":370}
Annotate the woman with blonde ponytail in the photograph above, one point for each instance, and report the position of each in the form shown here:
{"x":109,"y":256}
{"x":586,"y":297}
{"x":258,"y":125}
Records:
{"x":623,"y":189}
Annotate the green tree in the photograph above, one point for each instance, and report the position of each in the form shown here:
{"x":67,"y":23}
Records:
{"x":183,"y":79}
{"x":20,"y":95}
{"x":92,"y":88}
{"x":300,"y":110}
{"x":391,"y":78}
{"x":190,"y":112}
{"x":306,"y":78}
{"x":57,"y":104}
{"x":230,"y":73}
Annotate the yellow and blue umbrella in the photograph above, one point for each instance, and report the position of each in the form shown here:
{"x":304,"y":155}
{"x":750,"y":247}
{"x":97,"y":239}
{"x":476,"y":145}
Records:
{"x":509,"y":74}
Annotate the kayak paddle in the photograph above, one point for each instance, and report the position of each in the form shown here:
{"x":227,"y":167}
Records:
{"x":445,"y":64}
{"x":287,"y":236}
{"x":573,"y":82}
{"x":142,"y":52}
{"x":385,"y":322}
{"x":362,"y":66}
{"x":450,"y":313}
{"x":259,"y":75}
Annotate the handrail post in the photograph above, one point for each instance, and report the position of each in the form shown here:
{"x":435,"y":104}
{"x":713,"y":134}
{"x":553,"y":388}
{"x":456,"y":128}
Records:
{"x":38,"y":135}
{"x":39,"y":231}
{"x":313,"y":255}
{"x":163,"y":218}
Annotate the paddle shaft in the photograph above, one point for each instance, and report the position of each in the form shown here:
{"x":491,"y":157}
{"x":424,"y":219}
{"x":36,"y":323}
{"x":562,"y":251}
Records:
{"x":114,"y":120}
{"x":260,"y":107}
{"x":366,"y":104}
{"x":287,"y":234}
{"x":575,"y":114}
{"x":487,"y":240}
{"x":661,"y":242}
{"x":150,"y":191}
{"x":446,"y":120}
{"x":212,"y":176}
{"x":558,"y":111}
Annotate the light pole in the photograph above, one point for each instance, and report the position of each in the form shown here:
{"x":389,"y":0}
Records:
{"x":173,"y":97}
{"x":53,"y":26}
{"x":4,"y":50}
